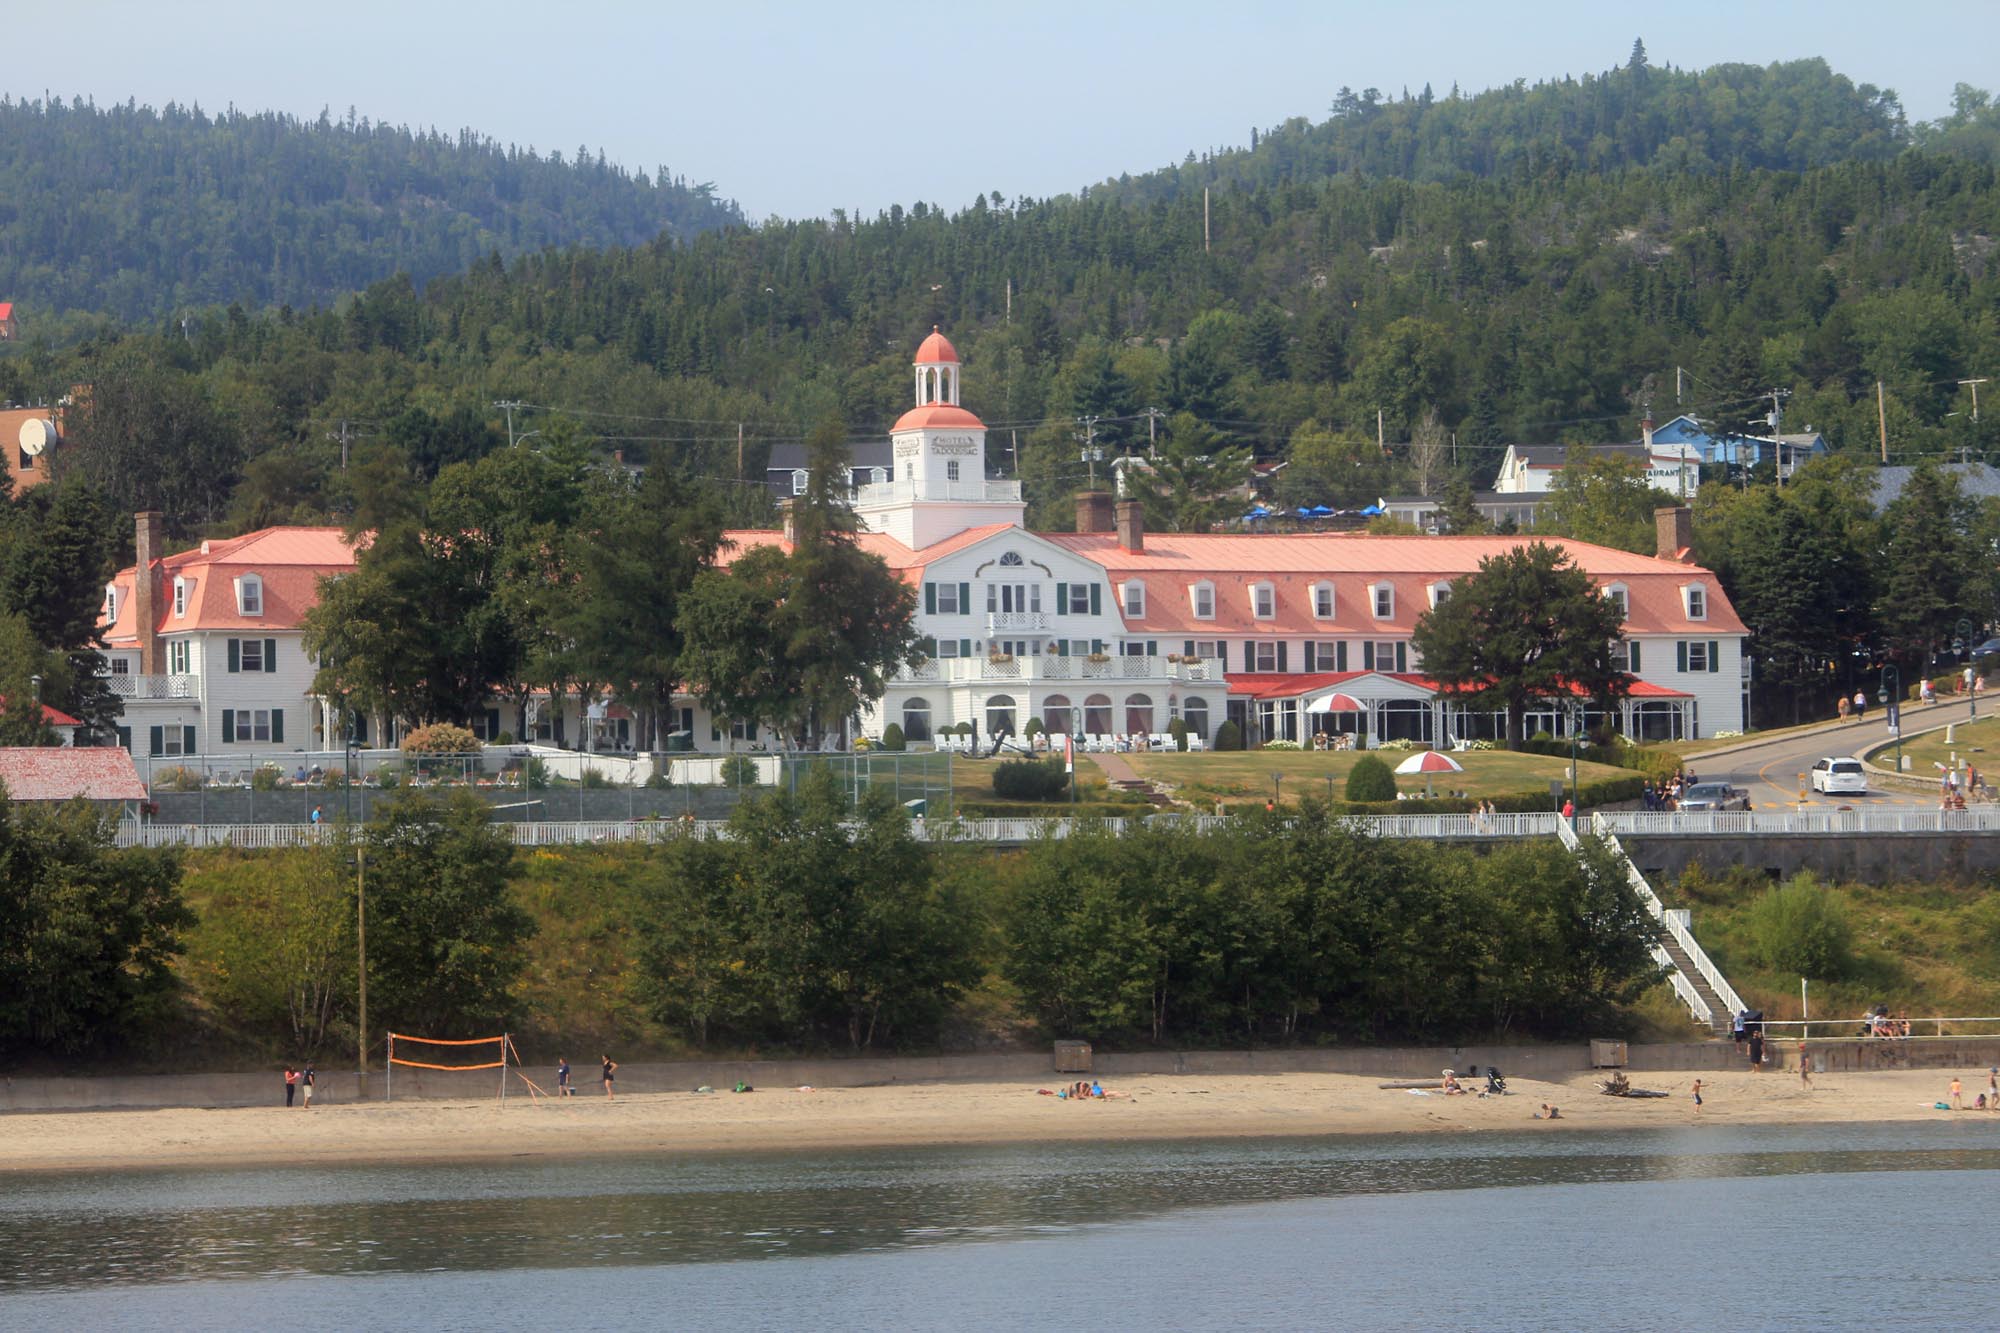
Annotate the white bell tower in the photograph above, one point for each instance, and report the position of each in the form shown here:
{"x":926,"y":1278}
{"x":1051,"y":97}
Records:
{"x":939,"y":485}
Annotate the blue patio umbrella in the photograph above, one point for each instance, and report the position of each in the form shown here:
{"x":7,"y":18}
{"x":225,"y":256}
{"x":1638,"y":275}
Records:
{"x":1305,"y":512}
{"x":1371,"y":511}
{"x":1320,"y":511}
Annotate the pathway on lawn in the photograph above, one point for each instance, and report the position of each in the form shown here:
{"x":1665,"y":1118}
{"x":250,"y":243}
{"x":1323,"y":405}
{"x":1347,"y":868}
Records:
{"x":1121,"y":776}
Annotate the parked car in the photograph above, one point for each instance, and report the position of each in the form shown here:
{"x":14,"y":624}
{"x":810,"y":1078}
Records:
{"x":1714,"y":796}
{"x":1987,"y":649}
{"x":1839,"y":777}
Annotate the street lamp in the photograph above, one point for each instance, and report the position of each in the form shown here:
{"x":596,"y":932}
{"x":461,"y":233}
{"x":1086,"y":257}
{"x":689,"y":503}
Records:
{"x":1277,"y":790}
{"x":360,"y":913}
{"x":1575,"y":725}
{"x":1892,"y":688}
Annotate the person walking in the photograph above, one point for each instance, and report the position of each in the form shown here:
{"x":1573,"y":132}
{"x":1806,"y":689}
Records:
{"x":610,"y":1068}
{"x":306,"y":1082}
{"x":1860,"y":704}
{"x":1805,"y":1066}
{"x":562,"y":1076}
{"x":1993,"y":1088}
{"x":1757,"y":1049}
{"x":1697,"y":1096}
{"x":291,"y":1085}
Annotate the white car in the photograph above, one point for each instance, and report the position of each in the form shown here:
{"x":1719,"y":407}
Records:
{"x":1839,"y":777}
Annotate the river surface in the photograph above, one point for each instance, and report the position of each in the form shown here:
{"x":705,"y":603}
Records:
{"x":1710,"y":1226}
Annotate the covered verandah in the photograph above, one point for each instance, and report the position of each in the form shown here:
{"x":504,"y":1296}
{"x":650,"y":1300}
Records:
{"x":1363,"y":709}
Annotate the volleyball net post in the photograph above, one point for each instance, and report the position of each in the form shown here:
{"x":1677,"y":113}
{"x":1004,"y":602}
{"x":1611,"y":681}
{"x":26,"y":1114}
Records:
{"x":502,"y":1045}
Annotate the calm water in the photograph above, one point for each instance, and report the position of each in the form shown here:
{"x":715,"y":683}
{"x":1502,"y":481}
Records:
{"x":1733,"y":1228}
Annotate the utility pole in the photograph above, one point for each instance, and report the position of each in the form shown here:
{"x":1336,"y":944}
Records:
{"x":1677,"y":386}
{"x":1204,"y":219}
{"x":1153,"y":415}
{"x":1882,"y":420}
{"x":1089,"y":438}
{"x":1380,"y":442}
{"x":1974,"y":386}
{"x":508,"y":407}
{"x":1777,"y":420}
{"x":1010,"y":300}
{"x":345,"y":436}
{"x":739,"y":451}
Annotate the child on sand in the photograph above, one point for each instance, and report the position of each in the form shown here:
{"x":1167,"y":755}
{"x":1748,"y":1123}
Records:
{"x":1697,"y":1096}
{"x":610,"y":1067}
{"x":1548,"y":1113}
{"x":1957,"y":1095}
{"x":1805,"y":1065}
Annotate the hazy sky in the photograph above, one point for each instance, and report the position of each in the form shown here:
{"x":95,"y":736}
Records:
{"x":799,"y":109}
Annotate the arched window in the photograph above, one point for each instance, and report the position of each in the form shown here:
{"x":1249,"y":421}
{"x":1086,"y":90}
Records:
{"x":1139,"y":714}
{"x":1056,"y":714}
{"x":1000,"y":714}
{"x":916,"y":719}
{"x":1011,"y":559}
{"x":1097,"y":715}
{"x":1195,"y":713}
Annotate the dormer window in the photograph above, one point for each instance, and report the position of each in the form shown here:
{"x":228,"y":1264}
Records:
{"x":1440,"y":593}
{"x":1384,"y":597}
{"x":1263,"y":601}
{"x":799,"y":477}
{"x":1615,"y":594}
{"x":1696,"y":597}
{"x":249,"y":596}
{"x":1322,"y":601}
{"x":1134,"y":596}
{"x":1203,"y":595}
{"x":180,"y":598}
{"x":110,"y":603}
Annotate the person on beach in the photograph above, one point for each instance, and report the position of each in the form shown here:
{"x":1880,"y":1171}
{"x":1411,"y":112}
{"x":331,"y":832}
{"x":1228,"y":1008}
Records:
{"x":1957,"y":1095}
{"x":1548,"y":1113}
{"x":1757,"y":1049}
{"x":1993,"y":1088}
{"x":291,"y":1085}
{"x":1697,"y":1096}
{"x":562,"y":1077}
{"x":610,"y":1068}
{"x":1805,"y":1066}
{"x":306,"y":1082}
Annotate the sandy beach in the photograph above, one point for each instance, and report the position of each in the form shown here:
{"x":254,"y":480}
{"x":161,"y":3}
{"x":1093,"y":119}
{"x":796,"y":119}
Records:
{"x":791,"y":1119}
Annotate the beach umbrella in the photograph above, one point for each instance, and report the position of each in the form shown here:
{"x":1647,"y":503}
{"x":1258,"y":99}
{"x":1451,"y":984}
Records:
{"x":1305,"y":512}
{"x":1372,"y":511}
{"x":1336,"y":703}
{"x":1428,"y":762}
{"x":1321,"y":511}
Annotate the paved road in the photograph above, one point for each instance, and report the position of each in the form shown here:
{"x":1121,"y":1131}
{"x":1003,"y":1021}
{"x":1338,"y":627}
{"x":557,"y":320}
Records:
{"x":1771,"y":771}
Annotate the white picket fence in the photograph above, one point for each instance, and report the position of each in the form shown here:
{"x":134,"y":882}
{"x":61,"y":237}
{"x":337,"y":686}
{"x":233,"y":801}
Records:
{"x":1873,"y":819}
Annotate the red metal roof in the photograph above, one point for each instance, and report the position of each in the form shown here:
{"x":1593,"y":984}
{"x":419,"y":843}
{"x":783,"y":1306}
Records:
{"x":936,"y":350}
{"x":906,"y":562}
{"x":53,"y":774}
{"x":1292,"y":685}
{"x":937,"y":416}
{"x":288,"y":561}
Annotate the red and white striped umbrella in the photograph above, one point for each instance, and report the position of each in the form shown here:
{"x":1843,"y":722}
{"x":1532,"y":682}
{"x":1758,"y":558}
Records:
{"x":1430,"y":761}
{"x":1336,"y":703}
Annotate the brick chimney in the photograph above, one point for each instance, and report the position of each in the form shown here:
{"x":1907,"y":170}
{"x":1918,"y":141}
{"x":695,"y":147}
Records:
{"x":1646,"y":428}
{"x":1131,"y":525}
{"x":790,"y":521}
{"x":149,"y":541}
{"x":1093,"y":511}
{"x":1673,"y":531}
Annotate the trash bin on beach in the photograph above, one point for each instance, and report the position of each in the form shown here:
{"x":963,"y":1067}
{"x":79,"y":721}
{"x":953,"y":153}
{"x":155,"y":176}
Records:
{"x":1072,"y":1057}
{"x":1606,"y":1054}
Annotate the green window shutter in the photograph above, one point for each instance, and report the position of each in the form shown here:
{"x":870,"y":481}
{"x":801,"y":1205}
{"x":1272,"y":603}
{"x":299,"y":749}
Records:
{"x":156,"y":740}
{"x":277,"y":726}
{"x":1062,"y":599}
{"x":1340,"y":656}
{"x":1402,"y":656}
{"x":1096,"y":600}
{"x":229,"y":726}
{"x":235,"y":655}
{"x":124,"y":738}
{"x":270,"y":655}
{"x":1681,"y":654}
{"x":965,"y":599}
{"x":1368,"y":655}
{"x":1187,"y":648}
{"x":965,"y":647}
{"x":1714,"y":656}
{"x":1152,"y":647}
{"x":930,"y":599}
{"x":1097,"y":645}
{"x":1282,"y":664}
{"x":187,"y":740}
{"x":1632,"y":656}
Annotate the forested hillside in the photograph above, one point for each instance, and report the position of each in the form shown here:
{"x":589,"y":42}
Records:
{"x":1786,"y":117}
{"x":137,"y":213}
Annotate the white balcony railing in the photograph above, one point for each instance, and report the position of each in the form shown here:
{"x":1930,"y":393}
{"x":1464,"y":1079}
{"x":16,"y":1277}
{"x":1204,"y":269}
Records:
{"x":971,"y":490}
{"x":154,"y":687}
{"x":1000,"y":622}
{"x":1052,"y":667}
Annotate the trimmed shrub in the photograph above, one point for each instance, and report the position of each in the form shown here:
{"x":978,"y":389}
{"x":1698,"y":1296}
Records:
{"x":440,"y":738}
{"x":1033,"y":729}
{"x":1179,"y":731}
{"x":892,"y":737}
{"x":738,"y":770}
{"x":1370,"y":780}
{"x":1228,"y":736}
{"x":1030,"y":780}
{"x":1801,"y":928}
{"x":266,"y":778}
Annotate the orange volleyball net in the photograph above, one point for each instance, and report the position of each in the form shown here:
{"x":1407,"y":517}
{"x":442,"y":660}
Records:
{"x":450,"y":1047}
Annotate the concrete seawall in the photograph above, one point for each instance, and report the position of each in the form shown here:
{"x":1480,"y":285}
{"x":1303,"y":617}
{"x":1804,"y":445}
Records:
{"x":22,"y":1094}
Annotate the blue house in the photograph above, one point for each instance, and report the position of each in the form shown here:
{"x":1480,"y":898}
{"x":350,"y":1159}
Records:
{"x":1789,"y":450}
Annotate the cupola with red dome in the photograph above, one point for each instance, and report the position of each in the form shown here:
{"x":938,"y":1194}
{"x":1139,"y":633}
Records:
{"x":936,"y":368}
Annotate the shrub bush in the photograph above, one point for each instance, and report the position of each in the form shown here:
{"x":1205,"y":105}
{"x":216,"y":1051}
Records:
{"x":1033,"y":729}
{"x":1030,"y":780}
{"x":440,"y":738}
{"x":504,"y":738}
{"x":892,"y":737}
{"x":593,"y":780}
{"x":266,"y":777}
{"x":738,"y":770}
{"x":1800,"y":927}
{"x":1228,"y":736}
{"x":1370,"y":780}
{"x":1179,"y":731}
{"x":178,"y":778}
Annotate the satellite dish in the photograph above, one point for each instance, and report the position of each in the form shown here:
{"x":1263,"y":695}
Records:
{"x":36,"y":436}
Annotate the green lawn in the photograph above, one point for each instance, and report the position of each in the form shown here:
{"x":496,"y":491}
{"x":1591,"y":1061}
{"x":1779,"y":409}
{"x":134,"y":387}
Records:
{"x":1248,"y":774}
{"x":1978,"y":742}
